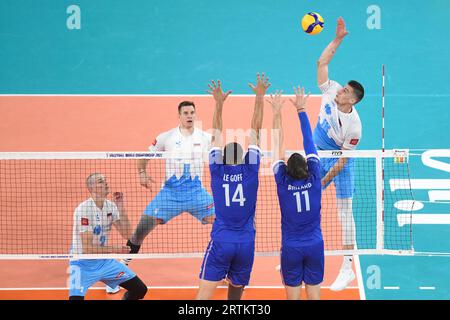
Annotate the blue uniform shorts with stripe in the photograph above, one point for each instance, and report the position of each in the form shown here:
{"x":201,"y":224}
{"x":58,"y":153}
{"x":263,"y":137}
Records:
{"x":85,"y":273}
{"x":344,"y":181}
{"x":302,"y":264}
{"x":172,"y":201}
{"x":228,"y":260}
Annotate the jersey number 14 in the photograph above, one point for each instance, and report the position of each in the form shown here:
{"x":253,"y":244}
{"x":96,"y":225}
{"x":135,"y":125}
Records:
{"x":238,"y":195}
{"x":297,"y":196}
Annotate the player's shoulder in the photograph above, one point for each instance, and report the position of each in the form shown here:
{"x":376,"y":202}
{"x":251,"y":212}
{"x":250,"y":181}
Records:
{"x":356,"y":120}
{"x":85,"y":206}
{"x":108,"y":204}
{"x":168,"y":133}
{"x":203,"y":134}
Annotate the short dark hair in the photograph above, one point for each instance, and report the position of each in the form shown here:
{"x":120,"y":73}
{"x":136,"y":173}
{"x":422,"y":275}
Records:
{"x":358,"y":89}
{"x":232,"y":153}
{"x":297,"y":167}
{"x":185,"y":104}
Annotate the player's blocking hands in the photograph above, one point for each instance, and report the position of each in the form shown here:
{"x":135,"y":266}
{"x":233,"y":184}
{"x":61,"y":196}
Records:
{"x":300,"y":99}
{"x":216,"y":91}
{"x":276,"y":101}
{"x":262,"y":84}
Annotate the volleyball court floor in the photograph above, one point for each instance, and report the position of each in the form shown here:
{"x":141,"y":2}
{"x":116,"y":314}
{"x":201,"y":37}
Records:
{"x":130,"y":123}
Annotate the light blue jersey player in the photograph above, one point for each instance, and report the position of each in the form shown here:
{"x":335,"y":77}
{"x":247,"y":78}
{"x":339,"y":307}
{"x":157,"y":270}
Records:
{"x":299,"y":193}
{"x":182,"y":190}
{"x":92,"y":223}
{"x":339,"y":128}
{"x":234,"y":184}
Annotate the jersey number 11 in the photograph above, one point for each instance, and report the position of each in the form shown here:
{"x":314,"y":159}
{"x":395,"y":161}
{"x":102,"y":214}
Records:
{"x":299,"y":203}
{"x":238,"y":195}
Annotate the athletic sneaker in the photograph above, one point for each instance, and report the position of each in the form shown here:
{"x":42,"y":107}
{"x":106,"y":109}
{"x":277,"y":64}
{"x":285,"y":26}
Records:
{"x":345,"y":277}
{"x":112,"y":290}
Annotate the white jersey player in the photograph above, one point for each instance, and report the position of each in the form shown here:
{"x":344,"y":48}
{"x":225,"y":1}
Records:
{"x":92,"y":223}
{"x":182,"y":190}
{"x":339,"y":128}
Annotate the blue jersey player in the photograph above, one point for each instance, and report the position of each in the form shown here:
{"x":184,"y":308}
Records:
{"x":299,"y":193}
{"x":234,"y":184}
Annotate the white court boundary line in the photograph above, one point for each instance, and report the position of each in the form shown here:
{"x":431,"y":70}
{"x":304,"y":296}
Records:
{"x":359,"y":278}
{"x":152,"y":287}
{"x":135,"y":95}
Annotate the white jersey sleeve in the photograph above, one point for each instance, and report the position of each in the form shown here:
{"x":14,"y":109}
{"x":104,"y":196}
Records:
{"x":115,"y":212}
{"x":159,"y":144}
{"x":330,"y":87}
{"x":353,"y":136}
{"x":83,"y":219}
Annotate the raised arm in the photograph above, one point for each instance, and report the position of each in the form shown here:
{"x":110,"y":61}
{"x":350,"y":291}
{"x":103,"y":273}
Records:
{"x":300,"y":105}
{"x":262,"y":84}
{"x":122,"y":225}
{"x":328,"y":53}
{"x":219,"y":97}
{"x":277,"y":126}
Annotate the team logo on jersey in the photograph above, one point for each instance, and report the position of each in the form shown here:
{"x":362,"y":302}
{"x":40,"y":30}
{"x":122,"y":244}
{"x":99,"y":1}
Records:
{"x":120,"y":274}
{"x":102,"y":241}
{"x":97,"y":218}
{"x":354,"y":142}
{"x":84,"y":221}
{"x":327,"y":109}
{"x":97,"y":230}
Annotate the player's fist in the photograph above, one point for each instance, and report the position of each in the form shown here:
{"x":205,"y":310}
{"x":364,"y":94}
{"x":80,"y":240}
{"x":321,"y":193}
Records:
{"x":118,"y":198}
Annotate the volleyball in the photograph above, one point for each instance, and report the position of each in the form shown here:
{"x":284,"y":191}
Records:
{"x":312,"y":23}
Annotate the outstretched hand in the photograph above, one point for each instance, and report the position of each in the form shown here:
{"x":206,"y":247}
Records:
{"x":262,"y":84}
{"x":276,"y":101}
{"x":341,"y":32}
{"x":216,"y":91}
{"x":300,"y":99}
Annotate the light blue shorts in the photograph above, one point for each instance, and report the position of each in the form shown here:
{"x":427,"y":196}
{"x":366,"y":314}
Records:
{"x":344,"y":181}
{"x":172,"y":201}
{"x":85,"y":273}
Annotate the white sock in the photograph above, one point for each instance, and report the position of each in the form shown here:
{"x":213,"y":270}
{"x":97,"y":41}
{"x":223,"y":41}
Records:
{"x":125,"y":261}
{"x":347,"y":263}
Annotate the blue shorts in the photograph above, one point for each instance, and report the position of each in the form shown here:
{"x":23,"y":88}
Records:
{"x":302,"y":264}
{"x":84,"y":273}
{"x":344,"y":181}
{"x":172,"y":201}
{"x":230,"y":260}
